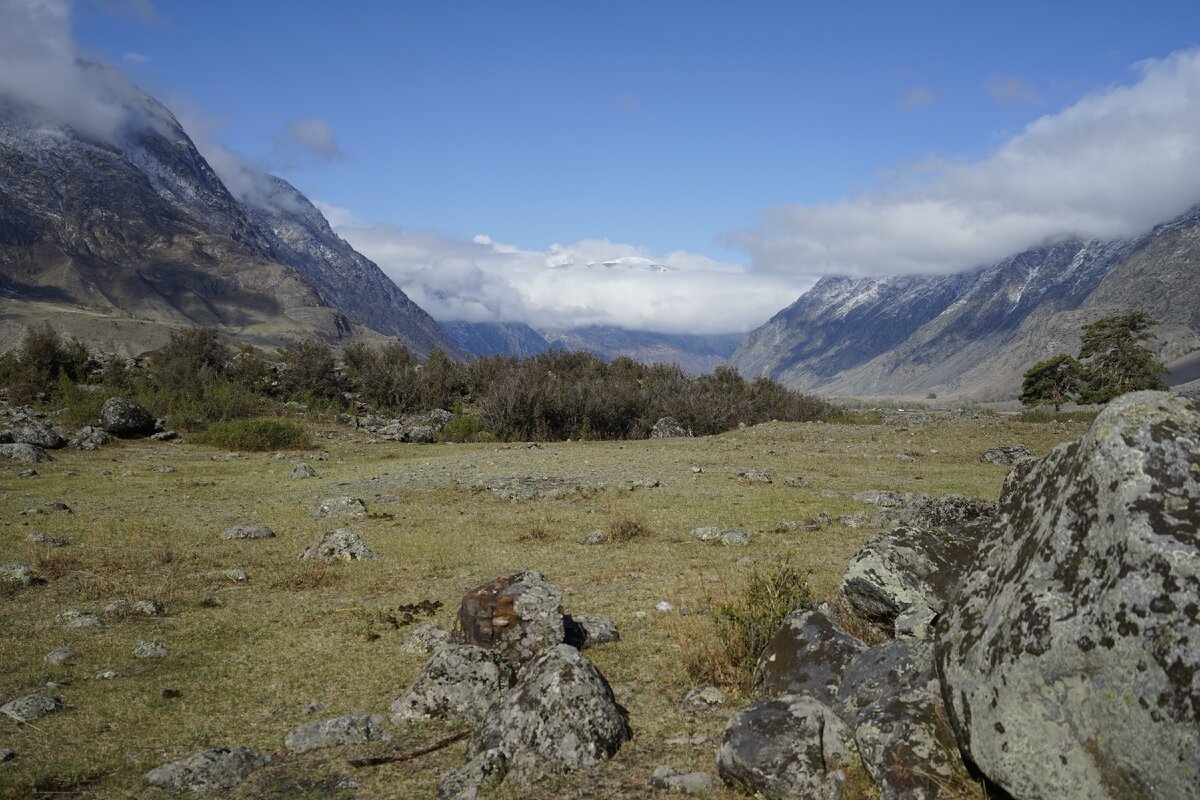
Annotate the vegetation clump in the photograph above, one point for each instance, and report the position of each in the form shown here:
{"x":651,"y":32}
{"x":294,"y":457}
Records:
{"x":257,"y":435}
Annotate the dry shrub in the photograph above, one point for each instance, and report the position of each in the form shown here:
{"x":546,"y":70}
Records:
{"x":55,"y":565}
{"x":626,"y":529}
{"x":306,"y":576}
{"x":539,"y":535}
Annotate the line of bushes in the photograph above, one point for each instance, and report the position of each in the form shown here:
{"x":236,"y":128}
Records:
{"x":198,"y":380}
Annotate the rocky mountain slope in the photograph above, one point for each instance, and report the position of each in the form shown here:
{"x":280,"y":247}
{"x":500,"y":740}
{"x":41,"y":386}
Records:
{"x":120,"y":241}
{"x":695,"y":354}
{"x":495,"y":338}
{"x":974,"y":333}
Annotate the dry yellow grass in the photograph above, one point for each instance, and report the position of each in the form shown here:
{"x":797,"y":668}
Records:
{"x":246,"y":659}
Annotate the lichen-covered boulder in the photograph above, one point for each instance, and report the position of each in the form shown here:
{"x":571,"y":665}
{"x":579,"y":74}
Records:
{"x":807,"y":655}
{"x":1070,"y":659}
{"x":339,"y":507}
{"x":907,"y":566}
{"x":668,"y":428}
{"x":123,"y":417}
{"x":561,"y":716}
{"x":784,"y":748}
{"x":214,"y":770}
{"x":35,"y":432}
{"x":457,"y":684}
{"x":336,"y":732}
{"x":944,"y":512}
{"x":516,"y":615}
{"x":247,"y":530}
{"x":31,"y":707}
{"x":1006,"y":454}
{"x":89,"y":438}
{"x":25,"y":452}
{"x":340,"y":545}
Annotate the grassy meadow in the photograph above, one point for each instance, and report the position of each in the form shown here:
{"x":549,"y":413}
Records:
{"x":246,"y":659}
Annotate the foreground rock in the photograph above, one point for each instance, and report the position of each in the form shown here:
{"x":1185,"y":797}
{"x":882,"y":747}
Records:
{"x":125,"y":418}
{"x":336,"y":732}
{"x":807,"y":655}
{"x":784,"y":748}
{"x":31,"y":707}
{"x":17,"y":574}
{"x":562,"y":716}
{"x":1070,"y":659}
{"x":340,"y":545}
{"x":516,"y":615}
{"x":210,"y":771}
{"x":25,"y":453}
{"x":458,"y":684}
{"x":35,"y":432}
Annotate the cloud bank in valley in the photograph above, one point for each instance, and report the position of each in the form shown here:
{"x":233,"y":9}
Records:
{"x":1113,"y":164}
{"x":591,"y":282}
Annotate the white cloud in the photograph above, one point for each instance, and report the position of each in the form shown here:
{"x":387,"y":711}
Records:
{"x":1113,"y":164}
{"x":590,"y":282}
{"x":308,"y":138}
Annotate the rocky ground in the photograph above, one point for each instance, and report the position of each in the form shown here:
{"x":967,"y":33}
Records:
{"x":159,"y":629}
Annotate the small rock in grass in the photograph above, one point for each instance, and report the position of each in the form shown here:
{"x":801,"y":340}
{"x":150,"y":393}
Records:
{"x":303,"y":470}
{"x":690,"y":783}
{"x":61,"y":655}
{"x":755,"y":476}
{"x":339,"y":507}
{"x":704,"y":697}
{"x":356,"y":729}
{"x":587,"y":631}
{"x":6,"y":755}
{"x":247,"y":531}
{"x":76,"y":618}
{"x":28,"y":453}
{"x":108,"y":675}
{"x":212,"y":770}
{"x":233,"y":575}
{"x":426,"y":639}
{"x":40,"y":537}
{"x":595,"y":537}
{"x":31,"y":707}
{"x":27,"y":473}
{"x":17,"y":574}
{"x":150,"y":649}
{"x":343,"y":544}
{"x":664,"y":607}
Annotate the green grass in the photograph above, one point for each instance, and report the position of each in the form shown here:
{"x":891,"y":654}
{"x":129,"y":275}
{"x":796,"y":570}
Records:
{"x":248,"y":658}
{"x":256,"y":435}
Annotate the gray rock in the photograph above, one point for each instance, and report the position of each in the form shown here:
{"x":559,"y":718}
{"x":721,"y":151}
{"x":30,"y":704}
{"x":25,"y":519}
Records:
{"x":907,"y":566}
{"x":149,"y":608}
{"x":668,"y":428}
{"x":458,"y":684}
{"x":946,"y":512}
{"x":585,"y":631}
{"x":211,"y":771}
{"x":76,"y":618}
{"x":31,"y":707}
{"x":339,"y":508}
{"x":426,"y":639}
{"x":125,"y":418}
{"x":342,"y":544}
{"x":560,"y":717}
{"x":247,"y":531}
{"x":484,"y":771}
{"x":755,"y":476}
{"x":27,"y":473}
{"x":41,"y":537}
{"x":796,"y":482}
{"x":1006,"y":454}
{"x":89,"y":438}
{"x":165,"y":436}
{"x":150,"y":649}
{"x":338,"y":731}
{"x":704,"y":697}
{"x":1070,"y":658}
{"x":17,"y":574}
{"x":27,"y":453}
{"x":303,"y":470}
{"x":519,"y":615}
{"x":595,"y":537}
{"x":807,"y":655}
{"x":915,"y":622}
{"x":711,"y":533}
{"x":877,"y":498}
{"x":6,"y":754}
{"x":61,"y":655}
{"x":35,"y":432}
{"x":784,"y":748}
{"x":690,"y":783}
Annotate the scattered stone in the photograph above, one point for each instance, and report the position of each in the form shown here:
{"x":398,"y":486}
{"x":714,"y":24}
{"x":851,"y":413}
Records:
{"x":426,"y":639}
{"x":458,"y":684}
{"x":41,"y":537}
{"x":697,"y":470}
{"x":485,"y":771}
{"x":698,"y":740}
{"x":668,"y":428}
{"x":6,"y":755}
{"x":785,"y":747}
{"x":303,"y":470}
{"x":339,"y":508}
{"x":1069,"y":657}
{"x":691,"y":783}
{"x":342,"y":544}
{"x":583,"y":631}
{"x":149,"y":608}
{"x":314,"y":707}
{"x":232,"y":575}
{"x":1006,"y":454}
{"x":247,"y":531}
{"x":17,"y":574}
{"x":61,"y":655}
{"x":31,"y":707}
{"x":35,"y":432}
{"x":808,"y":655}
{"x":561,"y":716}
{"x":704,"y":697}
{"x":165,"y":436}
{"x":125,"y":418}
{"x":108,"y":675}
{"x":595,"y":537}
{"x":163,"y":469}
{"x":89,"y":438}
{"x":664,"y":607}
{"x":796,"y":482}
{"x":518,"y":615}
{"x":150,"y":649}
{"x":355,"y":729}
{"x":754,"y":476}
{"x":211,"y":771}
{"x":711,"y":533}
{"x":878,"y":498}
{"x":75,"y":618}
{"x":28,"y":453}
{"x":47,"y":508}
{"x":27,"y":473}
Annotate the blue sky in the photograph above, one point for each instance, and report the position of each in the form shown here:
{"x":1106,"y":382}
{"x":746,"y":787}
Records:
{"x":684,"y":167}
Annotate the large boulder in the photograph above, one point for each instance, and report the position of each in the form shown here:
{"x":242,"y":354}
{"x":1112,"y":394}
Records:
{"x":457,"y":684}
{"x":340,"y":545}
{"x":668,"y":428}
{"x":23,"y":451}
{"x":1070,"y":659}
{"x":561,"y":716}
{"x":35,"y":432}
{"x":516,"y":615}
{"x":123,"y":417}
{"x":807,"y":655}
{"x":784,"y":748}
{"x":214,"y":770}
{"x":89,"y":438}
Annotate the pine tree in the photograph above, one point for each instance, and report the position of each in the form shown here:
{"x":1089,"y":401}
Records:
{"x":1115,"y":362}
{"x":1055,"y":380}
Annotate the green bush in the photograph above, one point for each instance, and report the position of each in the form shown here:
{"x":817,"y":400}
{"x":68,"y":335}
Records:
{"x":463,"y":427}
{"x":42,"y":358}
{"x":257,"y":434}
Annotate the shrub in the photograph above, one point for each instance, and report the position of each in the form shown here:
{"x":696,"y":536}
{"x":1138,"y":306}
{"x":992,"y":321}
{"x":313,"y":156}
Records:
{"x":309,"y":371}
{"x":42,"y":358}
{"x":257,"y":434}
{"x":463,"y":427}
{"x":192,"y":359}
{"x":626,"y":529}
